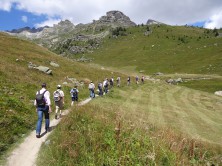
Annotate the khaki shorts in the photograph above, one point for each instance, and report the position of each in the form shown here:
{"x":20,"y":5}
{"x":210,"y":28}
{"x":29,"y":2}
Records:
{"x":59,"y":104}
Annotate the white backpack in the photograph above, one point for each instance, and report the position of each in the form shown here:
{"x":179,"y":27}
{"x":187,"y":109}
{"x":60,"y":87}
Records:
{"x":57,"y":96}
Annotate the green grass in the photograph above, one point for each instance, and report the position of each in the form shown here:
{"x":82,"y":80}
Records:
{"x":210,"y":85}
{"x":150,"y":124}
{"x":87,"y":136}
{"x":18,"y":85}
{"x":163,"y":51}
{"x":159,"y":124}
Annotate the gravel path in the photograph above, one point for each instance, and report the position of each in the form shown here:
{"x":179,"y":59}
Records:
{"x":26,"y":153}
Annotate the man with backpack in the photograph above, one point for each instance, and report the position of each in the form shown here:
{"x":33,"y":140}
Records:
{"x":105,"y":85}
{"x":128,"y":81}
{"x":100,"y":87}
{"x":58,"y":96}
{"x":43,"y":106}
{"x":111,"y":81}
{"x":142,"y":79}
{"x":137,"y":80}
{"x":74,"y":95}
{"x":118,"y":81}
{"x":91,"y":89}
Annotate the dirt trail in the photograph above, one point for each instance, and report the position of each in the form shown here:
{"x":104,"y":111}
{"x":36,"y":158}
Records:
{"x":27,"y":152}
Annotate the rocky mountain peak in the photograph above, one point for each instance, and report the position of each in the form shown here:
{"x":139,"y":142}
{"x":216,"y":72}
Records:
{"x":116,"y":17}
{"x":65,"y":23}
{"x":153,"y":22}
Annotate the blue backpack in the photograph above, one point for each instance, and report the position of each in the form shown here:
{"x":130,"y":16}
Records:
{"x":74,"y":92}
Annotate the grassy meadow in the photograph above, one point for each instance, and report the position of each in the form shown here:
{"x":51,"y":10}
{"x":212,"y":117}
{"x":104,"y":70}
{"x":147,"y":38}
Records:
{"x":150,"y":124}
{"x":167,"y":49}
{"x":18,"y":85}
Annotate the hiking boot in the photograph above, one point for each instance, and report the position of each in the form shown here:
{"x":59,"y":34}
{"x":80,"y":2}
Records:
{"x":37,"y":135}
{"x":47,"y":130}
{"x":55,"y":116}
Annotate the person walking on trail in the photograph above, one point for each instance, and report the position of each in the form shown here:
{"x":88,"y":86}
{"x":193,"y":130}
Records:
{"x":118,"y":81}
{"x":105,"y":85}
{"x":100,"y":87}
{"x":111,"y":81}
{"x":43,"y":106}
{"x":128,"y":81}
{"x":59,"y":101}
{"x":137,"y":80}
{"x":92,"y":89}
{"x":74,"y":95}
{"x":142,"y":79}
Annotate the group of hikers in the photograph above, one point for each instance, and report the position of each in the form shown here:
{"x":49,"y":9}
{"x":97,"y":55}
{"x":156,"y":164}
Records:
{"x":43,"y":105}
{"x":102,"y":86}
{"x":43,"y":102}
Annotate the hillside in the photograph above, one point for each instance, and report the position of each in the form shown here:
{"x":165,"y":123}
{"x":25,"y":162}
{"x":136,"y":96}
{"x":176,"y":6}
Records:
{"x":150,"y":124}
{"x":163,"y":48}
{"x":19,"y":83}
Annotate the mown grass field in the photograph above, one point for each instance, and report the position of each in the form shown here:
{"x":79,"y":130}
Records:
{"x":158,"y":124}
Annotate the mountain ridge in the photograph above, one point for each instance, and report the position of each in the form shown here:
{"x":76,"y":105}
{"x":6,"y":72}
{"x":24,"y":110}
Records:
{"x":110,"y":17}
{"x":67,"y":39}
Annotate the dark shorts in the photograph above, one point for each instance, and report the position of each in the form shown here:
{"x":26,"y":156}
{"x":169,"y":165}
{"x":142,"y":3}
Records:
{"x":74,"y":98}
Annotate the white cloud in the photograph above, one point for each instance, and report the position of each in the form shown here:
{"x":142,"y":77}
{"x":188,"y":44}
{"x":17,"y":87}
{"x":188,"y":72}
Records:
{"x":49,"y":22}
{"x":84,"y":11}
{"x":5,"y":5}
{"x":215,"y":21}
{"x":25,"y":19}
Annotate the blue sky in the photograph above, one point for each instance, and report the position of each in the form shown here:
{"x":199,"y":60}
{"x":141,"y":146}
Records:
{"x":17,"y":18}
{"x":37,"y":13}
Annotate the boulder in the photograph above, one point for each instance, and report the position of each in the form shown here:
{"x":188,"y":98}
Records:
{"x":54,"y":64}
{"x":44,"y":69}
{"x":219,"y":93}
{"x":174,"y":81}
{"x":158,"y":74}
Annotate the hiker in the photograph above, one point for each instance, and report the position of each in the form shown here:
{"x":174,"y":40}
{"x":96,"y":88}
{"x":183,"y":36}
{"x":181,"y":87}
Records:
{"x":43,"y":106}
{"x":142,"y":79}
{"x":105,"y":85}
{"x":92,"y":89}
{"x":74,"y":95}
{"x":111,"y":82}
{"x":118,"y":81}
{"x":137,"y":80}
{"x":59,"y":101}
{"x":128,"y":81}
{"x":100,"y":87}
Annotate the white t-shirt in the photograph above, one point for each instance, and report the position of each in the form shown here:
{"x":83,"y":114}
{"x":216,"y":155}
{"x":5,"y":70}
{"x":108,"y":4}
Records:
{"x":91,"y":86}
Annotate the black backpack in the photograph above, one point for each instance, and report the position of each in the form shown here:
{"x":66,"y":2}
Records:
{"x":74,"y":92}
{"x":40,"y":100}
